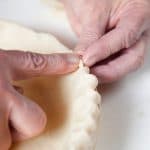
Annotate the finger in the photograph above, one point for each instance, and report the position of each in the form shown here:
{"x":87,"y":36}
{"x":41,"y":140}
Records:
{"x":126,"y":34}
{"x":92,"y":29}
{"x":27,"y":64}
{"x":5,"y":136}
{"x":74,"y":21}
{"x":75,"y":24}
{"x":130,"y":60}
{"x":27,"y":118}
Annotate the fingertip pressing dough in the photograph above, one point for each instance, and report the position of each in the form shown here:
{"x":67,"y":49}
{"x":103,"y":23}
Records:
{"x":71,"y":101}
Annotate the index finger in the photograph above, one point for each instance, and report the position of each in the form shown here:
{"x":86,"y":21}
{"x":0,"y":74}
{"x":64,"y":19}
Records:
{"x":28,"y":64}
{"x":123,"y":36}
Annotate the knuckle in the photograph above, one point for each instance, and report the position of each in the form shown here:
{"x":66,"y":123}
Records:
{"x":35,"y":61}
{"x":107,"y":49}
{"x":144,"y":7}
{"x":139,"y":5}
{"x":55,"y":59}
{"x":90,"y":35}
{"x":131,"y":36}
{"x":140,"y":55}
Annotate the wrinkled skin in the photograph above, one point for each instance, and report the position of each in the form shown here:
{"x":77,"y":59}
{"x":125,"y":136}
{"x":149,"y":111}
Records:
{"x":21,"y":118}
{"x":113,"y":34}
{"x":105,"y":28}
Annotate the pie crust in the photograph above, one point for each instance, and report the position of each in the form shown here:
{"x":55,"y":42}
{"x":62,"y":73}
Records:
{"x":71,"y":102}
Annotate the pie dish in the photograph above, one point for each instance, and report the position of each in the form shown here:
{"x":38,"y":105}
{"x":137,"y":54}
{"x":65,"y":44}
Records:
{"x":71,"y":101}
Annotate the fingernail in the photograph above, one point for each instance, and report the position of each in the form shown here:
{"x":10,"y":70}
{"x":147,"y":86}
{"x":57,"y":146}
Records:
{"x":87,"y":60}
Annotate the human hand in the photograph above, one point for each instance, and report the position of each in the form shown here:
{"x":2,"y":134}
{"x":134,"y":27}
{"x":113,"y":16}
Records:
{"x":21,"y":118}
{"x":113,"y":34}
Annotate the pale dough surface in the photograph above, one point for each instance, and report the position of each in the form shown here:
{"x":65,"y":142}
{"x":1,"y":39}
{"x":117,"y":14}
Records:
{"x":70,"y":101}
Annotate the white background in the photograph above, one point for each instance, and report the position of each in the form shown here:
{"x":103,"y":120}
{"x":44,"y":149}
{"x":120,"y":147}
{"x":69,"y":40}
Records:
{"x":125,"y":123}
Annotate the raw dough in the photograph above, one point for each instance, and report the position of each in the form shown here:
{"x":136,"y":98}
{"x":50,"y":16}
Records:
{"x":70,"y":101}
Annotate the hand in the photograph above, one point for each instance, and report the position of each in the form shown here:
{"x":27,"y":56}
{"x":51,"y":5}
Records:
{"x":21,"y":118}
{"x":113,"y":34}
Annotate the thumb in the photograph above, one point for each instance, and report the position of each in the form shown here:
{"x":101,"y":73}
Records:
{"x":27,"y":119}
{"x":27,"y":64}
{"x":92,"y":30}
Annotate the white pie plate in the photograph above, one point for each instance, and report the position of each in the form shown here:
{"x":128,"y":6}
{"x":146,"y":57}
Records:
{"x":125,"y":121}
